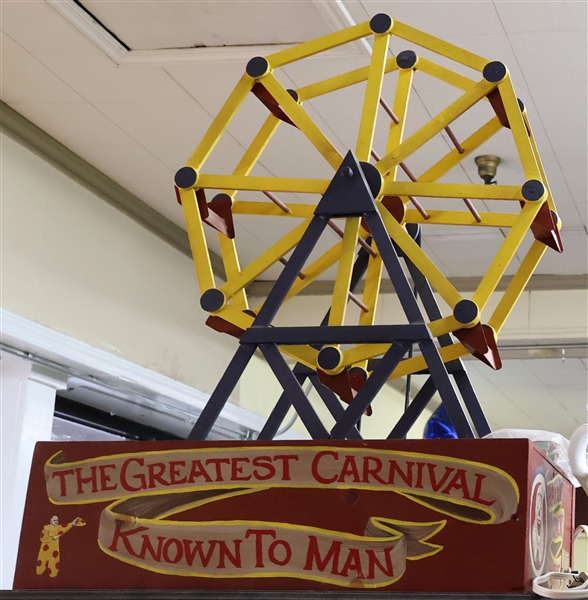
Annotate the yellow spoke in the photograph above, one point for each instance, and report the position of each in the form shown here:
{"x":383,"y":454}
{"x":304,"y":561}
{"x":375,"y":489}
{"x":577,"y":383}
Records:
{"x":339,"y":82}
{"x":453,"y":190}
{"x":400,"y":109}
{"x":446,"y":75}
{"x":262,"y":184}
{"x":257,"y":146}
{"x":469,"y":59}
{"x":220,"y":123}
{"x":343,"y":280}
{"x":303,"y":121}
{"x":469,"y":145}
{"x":245,"y":207}
{"x":434,"y":126}
{"x":371,"y":101}
{"x":448,"y":217}
{"x":505,"y":255}
{"x":422,"y":262}
{"x":232,"y":268}
{"x":519,"y":131}
{"x":197,"y":239}
{"x":326,"y":42}
{"x":516,"y":286}
{"x":264,"y":261}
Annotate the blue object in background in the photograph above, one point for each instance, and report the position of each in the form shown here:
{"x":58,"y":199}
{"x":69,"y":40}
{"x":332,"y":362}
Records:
{"x":439,"y":426}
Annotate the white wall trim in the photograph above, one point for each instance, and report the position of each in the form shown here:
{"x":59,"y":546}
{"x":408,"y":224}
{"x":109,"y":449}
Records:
{"x":29,"y":337}
{"x":90,"y":28}
{"x":224,"y":54}
{"x":179,"y":56}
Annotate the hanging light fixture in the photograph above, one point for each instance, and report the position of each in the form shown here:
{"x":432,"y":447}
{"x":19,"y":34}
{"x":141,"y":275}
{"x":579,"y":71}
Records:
{"x":487,"y":165}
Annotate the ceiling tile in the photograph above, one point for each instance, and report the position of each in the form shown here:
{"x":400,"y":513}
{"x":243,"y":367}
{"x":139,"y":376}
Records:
{"x":441,"y":18}
{"x":573,"y":260}
{"x":541,"y":16}
{"x":576,"y":182}
{"x":554,"y":58}
{"x":544,"y":407}
{"x":226,"y":156}
{"x":166,"y":111}
{"x":469,"y":254}
{"x":126,"y":164}
{"x":572,"y":214}
{"x":154,"y":124}
{"x":398,"y":45}
{"x":171,"y":24}
{"x":341,"y":111}
{"x":501,"y":144}
{"x":99,"y":79}
{"x":39,"y":28}
{"x":24,"y":78}
{"x":563,"y":113}
{"x":251,"y":114}
{"x":291,"y":154}
{"x":209,"y":83}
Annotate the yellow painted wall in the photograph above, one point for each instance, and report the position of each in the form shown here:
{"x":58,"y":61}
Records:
{"x":77,"y":265}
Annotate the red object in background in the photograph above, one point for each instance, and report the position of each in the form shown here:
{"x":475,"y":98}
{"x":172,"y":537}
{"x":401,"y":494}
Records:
{"x":402,"y":515}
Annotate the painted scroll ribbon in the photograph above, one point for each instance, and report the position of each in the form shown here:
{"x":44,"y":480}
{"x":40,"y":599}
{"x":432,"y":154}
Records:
{"x":146,"y":489}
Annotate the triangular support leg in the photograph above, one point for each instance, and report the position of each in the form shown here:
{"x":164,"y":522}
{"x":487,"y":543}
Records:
{"x":283,"y":405}
{"x":414,"y":410}
{"x":368,"y":392}
{"x":288,"y":276}
{"x":294,"y":391}
{"x":221,"y":394}
{"x":350,"y":193}
{"x":456,"y":368}
{"x":301,"y":372}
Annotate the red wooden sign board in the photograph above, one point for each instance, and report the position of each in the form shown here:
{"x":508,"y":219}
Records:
{"x":426,"y":515}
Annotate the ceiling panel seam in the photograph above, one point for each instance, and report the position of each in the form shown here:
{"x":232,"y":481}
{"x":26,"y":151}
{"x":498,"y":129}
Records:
{"x":537,"y":111}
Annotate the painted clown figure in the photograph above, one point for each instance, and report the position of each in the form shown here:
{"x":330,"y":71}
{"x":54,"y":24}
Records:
{"x":49,"y":551}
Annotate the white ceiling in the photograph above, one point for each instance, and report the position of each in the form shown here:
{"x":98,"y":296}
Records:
{"x":139,"y":121}
{"x":139,"y":116}
{"x":208,"y":24}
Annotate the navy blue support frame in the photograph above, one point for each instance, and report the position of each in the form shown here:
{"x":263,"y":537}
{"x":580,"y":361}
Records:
{"x":302,"y":372}
{"x":350,"y":193}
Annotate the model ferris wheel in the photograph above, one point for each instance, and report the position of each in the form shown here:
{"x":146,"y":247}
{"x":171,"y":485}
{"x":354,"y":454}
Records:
{"x":380,"y":220}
